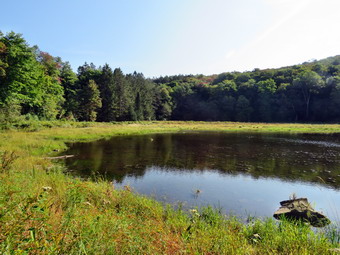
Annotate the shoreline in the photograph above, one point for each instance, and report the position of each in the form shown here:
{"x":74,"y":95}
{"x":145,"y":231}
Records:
{"x":43,"y":210}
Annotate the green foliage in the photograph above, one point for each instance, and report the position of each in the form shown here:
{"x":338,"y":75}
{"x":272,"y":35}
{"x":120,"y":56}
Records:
{"x":228,"y":86}
{"x":122,"y":96}
{"x":243,"y":109}
{"x":266,"y":86}
{"x":143,"y":97}
{"x":10,"y":112}
{"x":54,"y":214}
{"x":87,"y":94}
{"x":334,"y":106}
{"x":309,"y":83}
{"x":3,"y":64}
{"x":52,"y":100}
{"x":34,"y":83}
{"x":297,"y":93}
{"x":91,"y":101}
{"x":163,"y":103}
{"x":24,"y":78}
{"x":45,"y":211}
{"x":106,"y":87}
{"x":68,"y":81}
{"x":23,"y":73}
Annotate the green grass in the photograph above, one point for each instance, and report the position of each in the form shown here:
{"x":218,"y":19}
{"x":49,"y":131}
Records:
{"x":45,"y":211}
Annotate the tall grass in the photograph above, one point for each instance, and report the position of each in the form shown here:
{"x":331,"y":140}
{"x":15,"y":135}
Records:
{"x":45,"y":211}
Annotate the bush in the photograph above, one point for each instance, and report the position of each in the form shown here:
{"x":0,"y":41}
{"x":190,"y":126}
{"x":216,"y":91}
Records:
{"x":9,"y":112}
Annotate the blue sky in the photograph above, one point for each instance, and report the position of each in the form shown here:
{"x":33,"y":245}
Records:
{"x":166,"y":37}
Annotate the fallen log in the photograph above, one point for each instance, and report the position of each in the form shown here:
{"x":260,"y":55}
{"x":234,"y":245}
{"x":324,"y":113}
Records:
{"x":60,"y":157}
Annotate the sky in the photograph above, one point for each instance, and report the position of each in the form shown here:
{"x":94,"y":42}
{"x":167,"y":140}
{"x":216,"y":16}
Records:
{"x":168,"y":37}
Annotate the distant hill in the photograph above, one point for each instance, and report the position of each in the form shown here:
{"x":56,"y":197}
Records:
{"x":307,"y":92}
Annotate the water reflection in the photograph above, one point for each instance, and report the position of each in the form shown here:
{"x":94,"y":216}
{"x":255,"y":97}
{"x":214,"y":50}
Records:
{"x":304,"y":158}
{"x":239,"y":195}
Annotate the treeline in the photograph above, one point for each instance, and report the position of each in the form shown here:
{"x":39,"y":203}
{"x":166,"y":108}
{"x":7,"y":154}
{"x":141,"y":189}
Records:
{"x":34,"y":84}
{"x":37,"y":85}
{"x":302,"y":93}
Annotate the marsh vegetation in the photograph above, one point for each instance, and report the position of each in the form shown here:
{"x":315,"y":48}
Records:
{"x":44,"y":210}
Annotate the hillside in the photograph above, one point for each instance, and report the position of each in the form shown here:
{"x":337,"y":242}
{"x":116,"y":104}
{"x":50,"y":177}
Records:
{"x":36,"y":85}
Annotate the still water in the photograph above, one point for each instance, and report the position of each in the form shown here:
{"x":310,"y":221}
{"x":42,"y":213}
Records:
{"x":243,"y":174}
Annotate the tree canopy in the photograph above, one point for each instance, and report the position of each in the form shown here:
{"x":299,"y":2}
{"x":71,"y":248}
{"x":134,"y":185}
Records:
{"x":34,"y":83}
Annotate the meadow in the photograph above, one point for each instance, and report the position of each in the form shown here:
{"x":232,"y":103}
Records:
{"x":44,"y":210}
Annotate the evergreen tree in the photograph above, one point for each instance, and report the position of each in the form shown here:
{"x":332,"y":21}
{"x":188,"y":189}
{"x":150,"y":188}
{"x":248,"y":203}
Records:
{"x":91,"y":101}
{"x":86,"y":73}
{"x":36,"y":83}
{"x":121,"y":96}
{"x":106,"y":87}
{"x":69,"y":82}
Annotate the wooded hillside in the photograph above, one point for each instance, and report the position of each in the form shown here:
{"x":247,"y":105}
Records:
{"x":36,"y":85}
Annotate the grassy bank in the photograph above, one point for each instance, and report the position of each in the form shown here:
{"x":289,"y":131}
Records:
{"x":45,"y":211}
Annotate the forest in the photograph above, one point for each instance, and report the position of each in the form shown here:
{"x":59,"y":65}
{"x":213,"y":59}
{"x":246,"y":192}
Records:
{"x":36,"y":85}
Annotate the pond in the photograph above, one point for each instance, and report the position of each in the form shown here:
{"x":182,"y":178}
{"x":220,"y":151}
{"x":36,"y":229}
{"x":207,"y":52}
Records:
{"x":242,"y":174}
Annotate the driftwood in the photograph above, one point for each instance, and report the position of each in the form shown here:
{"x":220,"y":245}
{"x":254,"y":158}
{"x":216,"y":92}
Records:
{"x":300,"y":209}
{"x":61,"y":157}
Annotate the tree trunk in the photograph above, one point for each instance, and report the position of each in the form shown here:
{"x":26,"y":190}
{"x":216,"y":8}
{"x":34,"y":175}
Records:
{"x":307,"y":106}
